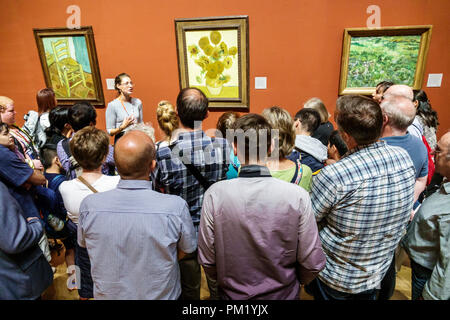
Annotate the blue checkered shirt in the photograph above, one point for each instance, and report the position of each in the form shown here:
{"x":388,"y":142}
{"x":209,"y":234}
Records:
{"x":362,"y":204}
{"x":209,"y":155}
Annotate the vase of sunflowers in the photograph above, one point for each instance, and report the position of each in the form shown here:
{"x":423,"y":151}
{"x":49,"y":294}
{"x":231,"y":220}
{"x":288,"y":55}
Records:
{"x":213,"y":57}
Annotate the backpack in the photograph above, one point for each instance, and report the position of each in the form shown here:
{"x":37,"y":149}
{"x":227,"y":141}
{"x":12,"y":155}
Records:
{"x":34,"y":128}
{"x":74,"y":165}
{"x":48,"y":203}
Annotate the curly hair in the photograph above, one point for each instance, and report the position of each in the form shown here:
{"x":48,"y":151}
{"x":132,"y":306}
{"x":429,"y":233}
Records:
{"x":167,"y":117}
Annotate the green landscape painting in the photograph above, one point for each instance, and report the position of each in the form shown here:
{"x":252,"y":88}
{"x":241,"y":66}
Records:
{"x":374,"y":59}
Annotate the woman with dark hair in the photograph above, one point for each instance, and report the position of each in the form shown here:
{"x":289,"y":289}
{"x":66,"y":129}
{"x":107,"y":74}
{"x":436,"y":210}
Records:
{"x":124,"y":110}
{"x":380,"y":89}
{"x":59,"y":125}
{"x":426,"y":116}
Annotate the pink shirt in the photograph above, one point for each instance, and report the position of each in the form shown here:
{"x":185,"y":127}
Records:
{"x":258,"y":237}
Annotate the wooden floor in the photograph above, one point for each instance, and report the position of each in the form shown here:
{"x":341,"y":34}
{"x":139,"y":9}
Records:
{"x":58,"y":290}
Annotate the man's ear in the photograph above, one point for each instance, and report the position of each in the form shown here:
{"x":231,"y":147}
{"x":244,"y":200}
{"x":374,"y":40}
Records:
{"x":56,"y":161}
{"x":385,"y":119}
{"x":152,"y":165}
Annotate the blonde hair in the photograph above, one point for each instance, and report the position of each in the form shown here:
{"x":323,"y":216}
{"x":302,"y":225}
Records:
{"x":4,"y":101}
{"x":280,"y":119}
{"x":319,"y":106}
{"x":167,"y":117}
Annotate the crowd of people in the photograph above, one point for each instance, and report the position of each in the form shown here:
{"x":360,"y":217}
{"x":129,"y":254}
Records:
{"x":270,"y":203}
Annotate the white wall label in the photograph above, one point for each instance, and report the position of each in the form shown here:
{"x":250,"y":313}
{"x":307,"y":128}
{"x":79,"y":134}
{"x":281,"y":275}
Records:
{"x":260,"y":82}
{"x":110,"y":84}
{"x":434,"y":80}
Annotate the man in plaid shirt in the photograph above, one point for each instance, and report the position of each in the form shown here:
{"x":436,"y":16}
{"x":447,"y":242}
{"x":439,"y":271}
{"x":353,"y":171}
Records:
{"x":362,"y":204}
{"x":209,"y":156}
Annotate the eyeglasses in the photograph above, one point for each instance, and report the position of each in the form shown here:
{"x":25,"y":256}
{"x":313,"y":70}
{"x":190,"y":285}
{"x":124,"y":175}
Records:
{"x":126,"y":83}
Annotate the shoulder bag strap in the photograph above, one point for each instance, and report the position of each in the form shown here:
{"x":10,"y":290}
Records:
{"x":87,"y":184}
{"x":299,"y":173}
{"x":65,"y":145}
{"x":194,"y":171}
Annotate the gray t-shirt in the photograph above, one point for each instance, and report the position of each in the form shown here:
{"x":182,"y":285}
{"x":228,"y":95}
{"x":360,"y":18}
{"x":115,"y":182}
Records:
{"x":116,"y":113}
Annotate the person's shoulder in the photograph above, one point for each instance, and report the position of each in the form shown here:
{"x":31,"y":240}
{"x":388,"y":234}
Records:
{"x":136,"y":101}
{"x":68,"y":186}
{"x":219,"y":139}
{"x":109,"y":180}
{"x":416,"y":142}
{"x":163,"y":152}
{"x":171,"y":203}
{"x":113,"y":103}
{"x":6,"y":153}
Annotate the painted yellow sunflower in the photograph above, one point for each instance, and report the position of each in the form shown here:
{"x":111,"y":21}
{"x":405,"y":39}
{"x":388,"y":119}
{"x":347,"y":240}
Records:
{"x":232,"y":51}
{"x":223,"y":46}
{"x":212,"y":71}
{"x":203,"y":42}
{"x":216,"y":53}
{"x":228,"y":62}
{"x":215,"y":37}
{"x":193,"y":50}
{"x":208,"y":49}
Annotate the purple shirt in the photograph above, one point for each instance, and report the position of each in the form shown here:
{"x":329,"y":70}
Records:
{"x":65,"y":162}
{"x":255,"y":231}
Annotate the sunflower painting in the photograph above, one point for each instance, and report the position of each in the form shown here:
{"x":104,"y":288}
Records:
{"x":212,"y":62}
{"x":213,"y":57}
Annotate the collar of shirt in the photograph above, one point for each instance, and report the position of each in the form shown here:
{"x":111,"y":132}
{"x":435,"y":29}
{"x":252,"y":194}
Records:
{"x":374,"y":145}
{"x":190,"y":135}
{"x":446,"y":186}
{"x":134,"y":184}
{"x":254,"y":171}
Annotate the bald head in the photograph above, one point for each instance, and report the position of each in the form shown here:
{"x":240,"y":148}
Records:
{"x":134,"y":155}
{"x":399,"y":110}
{"x":399,"y":90}
{"x":442,"y":156}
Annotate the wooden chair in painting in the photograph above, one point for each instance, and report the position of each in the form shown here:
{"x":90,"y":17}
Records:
{"x":70,"y":72}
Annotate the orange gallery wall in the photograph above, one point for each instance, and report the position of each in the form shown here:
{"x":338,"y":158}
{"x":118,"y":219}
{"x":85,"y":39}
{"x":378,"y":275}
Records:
{"x":296,"y":44}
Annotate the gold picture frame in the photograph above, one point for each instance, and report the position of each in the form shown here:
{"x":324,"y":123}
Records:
{"x":213,"y":55}
{"x":396,"y":54}
{"x":69,"y":62}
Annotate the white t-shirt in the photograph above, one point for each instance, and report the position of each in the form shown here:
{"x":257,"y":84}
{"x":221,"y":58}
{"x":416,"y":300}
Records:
{"x":74,"y":191}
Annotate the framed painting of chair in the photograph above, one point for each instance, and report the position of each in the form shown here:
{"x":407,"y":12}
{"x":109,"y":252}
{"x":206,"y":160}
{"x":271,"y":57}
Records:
{"x":213,"y":55}
{"x":396,"y":54}
{"x":69,"y":62}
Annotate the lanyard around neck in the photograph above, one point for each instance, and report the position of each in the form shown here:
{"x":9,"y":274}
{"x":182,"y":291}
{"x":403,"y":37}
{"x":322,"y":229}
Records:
{"x":123,"y":106}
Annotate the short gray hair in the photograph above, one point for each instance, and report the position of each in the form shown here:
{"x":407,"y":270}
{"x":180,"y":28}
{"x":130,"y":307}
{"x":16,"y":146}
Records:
{"x":147,"y":128}
{"x":400,"y":111}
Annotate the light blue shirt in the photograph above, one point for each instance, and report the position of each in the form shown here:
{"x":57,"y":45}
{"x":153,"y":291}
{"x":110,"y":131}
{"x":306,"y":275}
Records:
{"x":132,"y":234}
{"x":427,"y":242}
{"x":116,"y":113}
